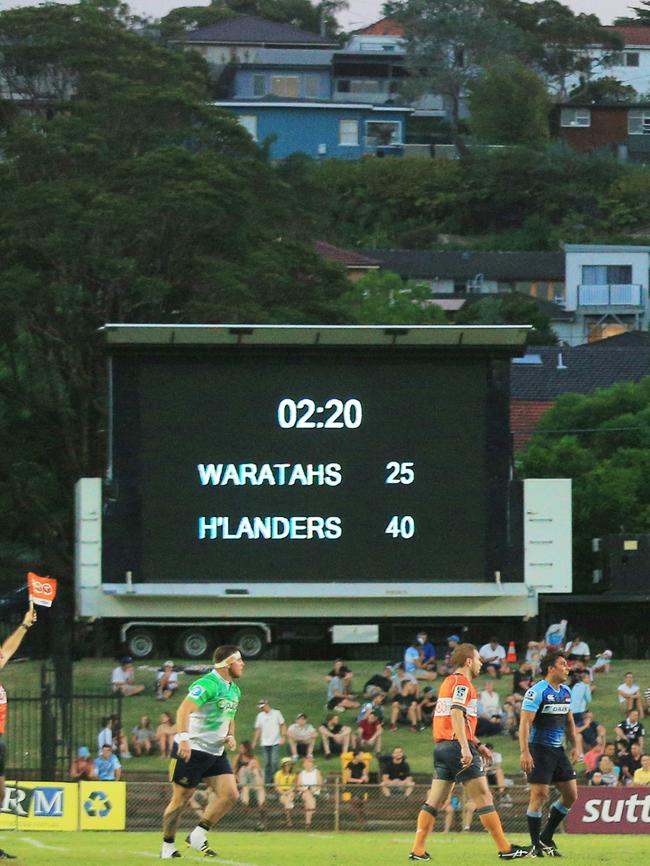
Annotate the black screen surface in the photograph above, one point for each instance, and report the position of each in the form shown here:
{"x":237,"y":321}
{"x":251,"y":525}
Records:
{"x":299,"y":467}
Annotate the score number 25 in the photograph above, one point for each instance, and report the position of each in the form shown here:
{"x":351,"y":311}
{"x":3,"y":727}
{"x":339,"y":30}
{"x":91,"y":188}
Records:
{"x":400,"y":473}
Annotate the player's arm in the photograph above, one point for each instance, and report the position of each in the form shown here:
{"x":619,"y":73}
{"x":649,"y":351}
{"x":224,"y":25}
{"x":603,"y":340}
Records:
{"x":230,"y":740}
{"x":525,"y":723}
{"x":572,"y":736}
{"x":460,"y":732}
{"x":187,"y":707}
{"x":15,"y":639}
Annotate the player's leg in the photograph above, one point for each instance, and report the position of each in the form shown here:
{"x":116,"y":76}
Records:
{"x":568,"y":795}
{"x":536,"y":800}
{"x":439,"y":793}
{"x":479,"y":793}
{"x":224,"y":787}
{"x":171,"y":816}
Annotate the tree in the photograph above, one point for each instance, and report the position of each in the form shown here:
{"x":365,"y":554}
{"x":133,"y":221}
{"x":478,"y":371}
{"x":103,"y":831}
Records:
{"x":602,"y":441}
{"x":603,"y":91}
{"x":513,"y":309}
{"x":642,"y":18}
{"x":448,"y":44}
{"x":510,"y":105}
{"x":383,"y":298}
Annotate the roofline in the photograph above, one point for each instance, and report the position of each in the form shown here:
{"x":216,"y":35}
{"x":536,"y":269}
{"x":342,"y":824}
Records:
{"x":511,"y":338}
{"x":259,"y":43}
{"x":606,"y":248}
{"x":248,"y":103}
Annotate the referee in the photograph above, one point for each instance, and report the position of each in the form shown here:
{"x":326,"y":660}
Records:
{"x":7,"y":650}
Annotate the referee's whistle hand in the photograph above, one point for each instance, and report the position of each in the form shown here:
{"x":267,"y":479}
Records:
{"x":465,"y":757}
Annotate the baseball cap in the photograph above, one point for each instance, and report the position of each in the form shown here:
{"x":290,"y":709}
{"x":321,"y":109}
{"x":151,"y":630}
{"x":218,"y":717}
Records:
{"x":286,"y":761}
{"x":168,"y":664}
{"x":263,"y":701}
{"x":126,"y":660}
{"x":301,"y":716}
{"x":84,"y":752}
{"x":454,"y":637}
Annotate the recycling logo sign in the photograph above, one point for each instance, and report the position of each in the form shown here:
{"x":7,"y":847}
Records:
{"x":97,"y":805}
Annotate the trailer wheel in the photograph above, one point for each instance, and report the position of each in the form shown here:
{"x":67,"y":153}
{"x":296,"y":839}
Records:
{"x":251,"y":642}
{"x":193,"y":643}
{"x":141,"y":643}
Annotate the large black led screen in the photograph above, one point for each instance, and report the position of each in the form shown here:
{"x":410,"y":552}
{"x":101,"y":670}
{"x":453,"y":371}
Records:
{"x":237,"y":467}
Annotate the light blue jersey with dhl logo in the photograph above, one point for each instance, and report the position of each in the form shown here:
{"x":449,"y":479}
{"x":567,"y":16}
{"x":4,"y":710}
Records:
{"x":551,"y":707}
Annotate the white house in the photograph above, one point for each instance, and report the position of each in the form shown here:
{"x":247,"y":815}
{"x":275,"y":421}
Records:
{"x":630,"y":65}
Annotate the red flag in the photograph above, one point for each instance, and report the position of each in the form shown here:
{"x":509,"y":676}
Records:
{"x":42,"y":590}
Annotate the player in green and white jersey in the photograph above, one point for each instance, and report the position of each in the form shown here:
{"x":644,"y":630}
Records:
{"x":205,"y":724}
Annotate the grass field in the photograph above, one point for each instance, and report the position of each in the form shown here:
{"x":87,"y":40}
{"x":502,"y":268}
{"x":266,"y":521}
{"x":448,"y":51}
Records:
{"x":301,"y":849}
{"x":295,"y":687}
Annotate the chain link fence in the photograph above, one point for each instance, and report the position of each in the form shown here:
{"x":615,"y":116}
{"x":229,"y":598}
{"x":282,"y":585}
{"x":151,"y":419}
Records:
{"x":336,"y":807}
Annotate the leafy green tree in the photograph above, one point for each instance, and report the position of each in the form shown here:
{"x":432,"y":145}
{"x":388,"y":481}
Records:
{"x":603,"y":91}
{"x":602,"y":441}
{"x":514,"y":309}
{"x":383,"y":298}
{"x":642,"y":17}
{"x":510,"y":105}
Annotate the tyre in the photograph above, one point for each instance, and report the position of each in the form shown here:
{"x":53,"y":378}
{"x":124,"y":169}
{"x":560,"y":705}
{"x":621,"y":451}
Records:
{"x":251,"y":642}
{"x":141,"y":643}
{"x":193,"y":643}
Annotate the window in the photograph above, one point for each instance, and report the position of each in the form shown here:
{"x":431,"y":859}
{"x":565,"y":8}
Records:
{"x":606,"y":275}
{"x":249,"y":122}
{"x":383,"y":132}
{"x":616,"y":58}
{"x":259,"y":85}
{"x":285,"y":85}
{"x":631,"y":58}
{"x":311,"y":86}
{"x":575,"y":117}
{"x":349,"y":133}
{"x":365,"y":85}
{"x":638,"y":122}
{"x":343,"y":85}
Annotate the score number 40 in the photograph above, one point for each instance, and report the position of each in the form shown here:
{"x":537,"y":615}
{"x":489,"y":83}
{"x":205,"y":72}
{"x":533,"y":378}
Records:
{"x":400,"y":473}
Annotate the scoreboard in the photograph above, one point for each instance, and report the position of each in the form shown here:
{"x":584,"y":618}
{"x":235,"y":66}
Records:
{"x":366,"y":455}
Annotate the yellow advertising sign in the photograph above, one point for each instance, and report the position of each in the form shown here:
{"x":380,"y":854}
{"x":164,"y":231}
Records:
{"x":40,"y":806}
{"x":102,"y":805}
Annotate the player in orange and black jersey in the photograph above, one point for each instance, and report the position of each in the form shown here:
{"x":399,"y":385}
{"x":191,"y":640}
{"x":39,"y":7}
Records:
{"x":7,"y":649}
{"x":457,"y":756}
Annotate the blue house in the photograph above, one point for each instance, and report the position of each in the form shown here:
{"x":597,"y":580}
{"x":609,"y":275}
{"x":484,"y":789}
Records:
{"x":322,"y":130}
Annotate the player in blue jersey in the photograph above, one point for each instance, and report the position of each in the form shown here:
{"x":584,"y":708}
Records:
{"x":546,"y":719}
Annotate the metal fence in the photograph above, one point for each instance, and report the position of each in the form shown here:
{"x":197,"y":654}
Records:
{"x":338,"y":807}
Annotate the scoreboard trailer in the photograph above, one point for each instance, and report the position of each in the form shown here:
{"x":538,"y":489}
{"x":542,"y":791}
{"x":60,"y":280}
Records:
{"x":313,"y":481}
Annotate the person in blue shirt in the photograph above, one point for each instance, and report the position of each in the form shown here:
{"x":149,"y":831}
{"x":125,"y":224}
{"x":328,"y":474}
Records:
{"x":546,"y":719}
{"x":580,"y":697}
{"x":107,"y":766}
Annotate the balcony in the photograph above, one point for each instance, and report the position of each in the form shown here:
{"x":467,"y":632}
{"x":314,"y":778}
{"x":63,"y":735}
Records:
{"x":614,"y":295}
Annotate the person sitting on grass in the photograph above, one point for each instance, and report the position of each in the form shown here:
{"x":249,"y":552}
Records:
{"x":166,"y":682}
{"x":123,"y":678}
{"x":335,"y":736}
{"x":142,"y":737}
{"x":285,"y":786}
{"x":337,"y":698}
{"x":369,"y":734}
{"x":396,"y":775}
{"x":165,"y":733}
{"x":428,"y":705}
{"x":406,"y":707}
{"x":413,"y":663}
{"x":301,"y":736}
{"x":251,"y":781}
{"x":629,"y":695}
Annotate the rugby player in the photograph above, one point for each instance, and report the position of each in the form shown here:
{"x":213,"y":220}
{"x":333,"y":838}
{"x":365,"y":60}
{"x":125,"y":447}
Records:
{"x":205,"y":724}
{"x":7,"y":649}
{"x":546,"y":718}
{"x":457,"y":756}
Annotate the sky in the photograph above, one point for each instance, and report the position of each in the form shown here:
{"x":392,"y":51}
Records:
{"x":360,"y":13}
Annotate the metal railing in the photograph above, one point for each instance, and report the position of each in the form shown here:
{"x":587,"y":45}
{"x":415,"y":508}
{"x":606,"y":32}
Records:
{"x":611,"y":295}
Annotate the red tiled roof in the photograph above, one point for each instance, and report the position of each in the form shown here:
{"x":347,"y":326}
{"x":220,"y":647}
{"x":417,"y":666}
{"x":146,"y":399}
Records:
{"x":632,"y":35}
{"x":525,"y":415}
{"x":383,"y":27}
{"x":345,"y":257}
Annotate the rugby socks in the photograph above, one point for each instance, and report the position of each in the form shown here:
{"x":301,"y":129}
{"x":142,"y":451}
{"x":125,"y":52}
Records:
{"x":168,"y":849}
{"x":425,"y":825}
{"x":205,"y":824}
{"x":534,"y":826}
{"x":492,"y":823}
{"x":556,"y":815}
{"x":198,"y":837}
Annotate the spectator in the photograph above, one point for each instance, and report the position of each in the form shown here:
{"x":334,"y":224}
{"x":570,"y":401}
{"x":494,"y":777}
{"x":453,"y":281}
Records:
{"x":521,"y":682}
{"x":592,"y":758}
{"x":369,"y":734}
{"x":581,"y":697}
{"x":309,"y":784}
{"x":244,"y":756}
{"x":406,"y":706}
{"x":630,"y":762}
{"x":610,"y":772}
{"x":379,"y":683}
{"x":630,"y":729}
{"x":491,"y":705}
{"x":646,"y":695}
{"x":577,"y":650}
{"x":123,"y":678}
{"x":445,"y":668}
{"x":427,"y":651}
{"x":629,"y":694}
{"x":374,"y":706}
{"x":83,"y":767}
{"x":271,"y":730}
{"x":396,"y":775}
{"x":597,"y":780}
{"x":106,"y":736}
{"x":414,"y":665}
{"x":534,"y":655}
{"x":494,"y":772}
{"x":302,"y":737}
{"x":355,"y":776}
{"x":493,"y":656}
{"x":335,"y":736}
{"x":120,"y":742}
{"x":602,"y":663}
{"x":428,"y":705}
{"x":590,"y":733}
{"x":142,"y":737}
{"x":642,"y":775}
{"x":343,"y":672}
{"x":337,"y":698}
{"x":165,"y":733}
{"x":285,"y":785}
{"x":107,"y":766}
{"x":251,"y":781}
{"x":166,"y":682}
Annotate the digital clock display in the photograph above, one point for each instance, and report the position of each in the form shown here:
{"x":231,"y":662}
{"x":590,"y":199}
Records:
{"x":290,"y":465}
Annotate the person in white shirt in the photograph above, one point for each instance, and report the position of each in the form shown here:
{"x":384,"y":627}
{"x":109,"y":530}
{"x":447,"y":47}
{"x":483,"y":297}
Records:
{"x":271,"y":731}
{"x":301,"y":736}
{"x":309,"y":782}
{"x":123,"y":678}
{"x":166,"y":682}
{"x":577,"y":650}
{"x":493,"y":656}
{"x":105,"y":736}
{"x":629,"y":694}
{"x":491,"y":702}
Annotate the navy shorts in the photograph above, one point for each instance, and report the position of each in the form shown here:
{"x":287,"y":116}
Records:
{"x":200,"y":766}
{"x":551,"y":765}
{"x":447,"y":764}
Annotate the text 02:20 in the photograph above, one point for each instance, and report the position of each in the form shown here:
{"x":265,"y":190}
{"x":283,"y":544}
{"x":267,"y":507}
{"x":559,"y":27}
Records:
{"x":305,"y":414}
